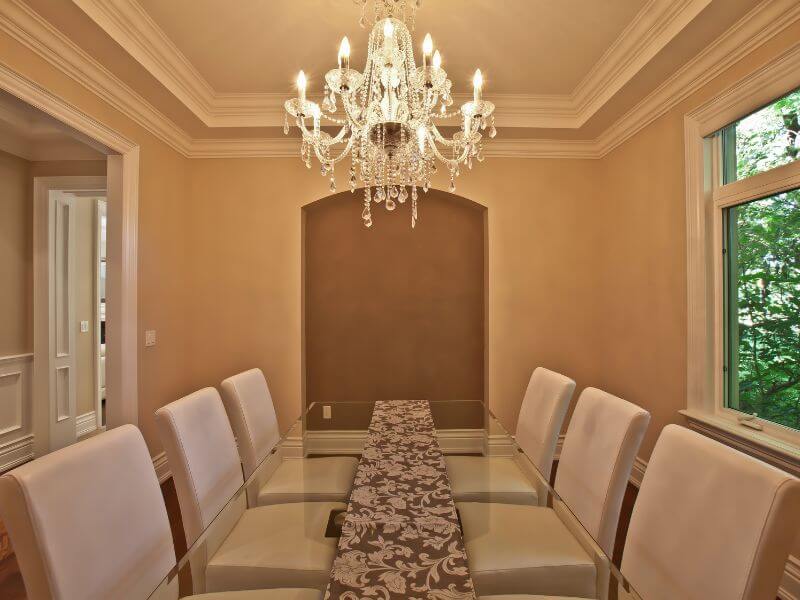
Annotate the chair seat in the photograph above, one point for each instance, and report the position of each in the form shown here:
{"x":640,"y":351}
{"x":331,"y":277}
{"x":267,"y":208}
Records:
{"x":276,"y":546}
{"x":515,"y":549}
{"x":310,"y":480}
{"x":489,"y":479}
{"x":276,"y":594}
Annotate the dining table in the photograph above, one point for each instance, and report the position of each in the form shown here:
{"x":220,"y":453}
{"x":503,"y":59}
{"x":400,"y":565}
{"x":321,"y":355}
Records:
{"x":399,"y":535}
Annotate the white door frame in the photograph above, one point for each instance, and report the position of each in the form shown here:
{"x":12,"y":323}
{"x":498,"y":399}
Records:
{"x":123,"y":201}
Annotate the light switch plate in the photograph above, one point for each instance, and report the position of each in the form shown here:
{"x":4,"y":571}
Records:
{"x":326,"y":412}
{"x":84,"y":326}
{"x":150,"y":337}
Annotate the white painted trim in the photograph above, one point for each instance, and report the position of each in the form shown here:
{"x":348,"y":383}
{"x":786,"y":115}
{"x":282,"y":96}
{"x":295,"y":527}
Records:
{"x":16,"y":452}
{"x":656,"y":24}
{"x":161,"y":467}
{"x":451,"y":441}
{"x":27,"y":27}
{"x":764,"y":22}
{"x":757,"y":27}
{"x":790,"y":586}
{"x":704,"y":202}
{"x":122,"y":357}
{"x":85,"y":424}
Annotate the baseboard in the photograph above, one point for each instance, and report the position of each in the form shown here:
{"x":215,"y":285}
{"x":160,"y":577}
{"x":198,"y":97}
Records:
{"x":16,"y":452}
{"x":451,"y":441}
{"x":162,"y":467}
{"x":85,"y":424}
{"x":790,"y":585}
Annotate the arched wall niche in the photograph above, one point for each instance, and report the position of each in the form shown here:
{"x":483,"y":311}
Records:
{"x":390,"y":311}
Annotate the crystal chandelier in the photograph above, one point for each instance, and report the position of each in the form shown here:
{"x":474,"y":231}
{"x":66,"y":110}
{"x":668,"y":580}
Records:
{"x":390,"y":116}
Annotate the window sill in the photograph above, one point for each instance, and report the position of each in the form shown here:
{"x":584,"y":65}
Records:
{"x":779,"y":453}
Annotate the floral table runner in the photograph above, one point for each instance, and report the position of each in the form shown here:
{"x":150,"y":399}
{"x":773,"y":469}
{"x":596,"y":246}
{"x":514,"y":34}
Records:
{"x":401,"y":536}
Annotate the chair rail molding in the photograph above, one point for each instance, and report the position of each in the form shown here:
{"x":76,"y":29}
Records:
{"x":16,"y":410}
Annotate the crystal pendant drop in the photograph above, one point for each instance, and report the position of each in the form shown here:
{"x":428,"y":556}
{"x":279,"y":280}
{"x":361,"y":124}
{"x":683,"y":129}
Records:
{"x":380,"y":195}
{"x":393,"y":193}
{"x":492,"y":131}
{"x":403,"y":195}
{"x":390,"y":204}
{"x":286,"y":124}
{"x":333,"y":184}
{"x":452,"y":184}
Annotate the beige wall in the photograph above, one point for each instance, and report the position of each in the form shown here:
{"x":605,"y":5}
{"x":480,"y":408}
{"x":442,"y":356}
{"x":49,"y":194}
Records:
{"x":244,"y":228}
{"x":163,"y":249}
{"x":16,"y":258}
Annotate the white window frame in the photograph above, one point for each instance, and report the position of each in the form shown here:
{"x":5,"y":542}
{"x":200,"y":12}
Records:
{"x":706,"y":199}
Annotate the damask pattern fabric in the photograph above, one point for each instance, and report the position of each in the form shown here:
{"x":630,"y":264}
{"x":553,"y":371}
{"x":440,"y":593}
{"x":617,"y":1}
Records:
{"x":401,"y":536}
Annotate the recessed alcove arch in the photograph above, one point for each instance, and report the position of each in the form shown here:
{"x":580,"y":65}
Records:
{"x":391,"y":311}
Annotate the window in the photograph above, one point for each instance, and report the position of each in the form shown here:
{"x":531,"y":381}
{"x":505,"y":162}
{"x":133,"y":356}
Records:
{"x":761,"y":269}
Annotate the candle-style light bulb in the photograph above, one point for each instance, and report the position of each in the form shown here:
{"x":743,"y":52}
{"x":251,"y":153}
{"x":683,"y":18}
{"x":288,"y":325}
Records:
{"x":437,"y":60}
{"x":427,"y":48}
{"x":388,"y":28}
{"x":421,"y":137}
{"x":344,"y":54}
{"x":301,"y":86}
{"x":477,"y":82}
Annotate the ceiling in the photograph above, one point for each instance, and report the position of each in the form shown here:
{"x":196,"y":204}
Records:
{"x":216,"y":71}
{"x":29,"y":133}
{"x":260,"y":46}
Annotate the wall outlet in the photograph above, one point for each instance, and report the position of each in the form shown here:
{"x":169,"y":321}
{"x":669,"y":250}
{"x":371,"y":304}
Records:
{"x":326,"y":412}
{"x":84,"y":326}
{"x":150,"y":337}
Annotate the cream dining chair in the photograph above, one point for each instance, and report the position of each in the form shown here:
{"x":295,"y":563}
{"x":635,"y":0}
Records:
{"x":498,"y":478}
{"x":88,"y":522}
{"x":515,"y":549}
{"x":710,"y":523}
{"x":251,"y":412}
{"x":281,"y":545}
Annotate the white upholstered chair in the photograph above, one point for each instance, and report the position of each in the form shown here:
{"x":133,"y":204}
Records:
{"x":282,"y":545}
{"x":88,"y":522}
{"x":498,"y":478}
{"x":726,"y":533}
{"x":728,"y":528}
{"x":516,"y":549}
{"x":252,"y":415}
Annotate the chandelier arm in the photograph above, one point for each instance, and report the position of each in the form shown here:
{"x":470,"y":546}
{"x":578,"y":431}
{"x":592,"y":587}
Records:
{"x":348,"y":109}
{"x":331,"y":161}
{"x":443,"y":140}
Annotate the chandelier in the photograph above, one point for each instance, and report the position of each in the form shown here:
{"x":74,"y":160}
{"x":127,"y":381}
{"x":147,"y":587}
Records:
{"x":387,"y":118}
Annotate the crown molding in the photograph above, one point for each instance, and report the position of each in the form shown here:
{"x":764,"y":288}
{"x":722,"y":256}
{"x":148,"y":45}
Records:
{"x":758,"y":26}
{"x":762,"y":23}
{"x":656,"y":24}
{"x":32,"y":31}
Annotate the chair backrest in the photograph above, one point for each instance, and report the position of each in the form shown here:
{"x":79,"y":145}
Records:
{"x":709,"y":522}
{"x":541,"y":416}
{"x":202,"y":456}
{"x":600,"y":445}
{"x":252,"y":415}
{"x":89,"y":521}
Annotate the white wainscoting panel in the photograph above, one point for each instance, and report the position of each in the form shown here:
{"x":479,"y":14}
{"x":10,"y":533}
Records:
{"x":16,"y":410}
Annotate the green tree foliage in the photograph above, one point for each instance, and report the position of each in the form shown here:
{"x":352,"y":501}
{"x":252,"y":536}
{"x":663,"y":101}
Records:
{"x":767,"y":263}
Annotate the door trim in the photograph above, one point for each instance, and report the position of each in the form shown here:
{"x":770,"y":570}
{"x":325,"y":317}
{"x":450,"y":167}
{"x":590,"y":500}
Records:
{"x":123,"y":183}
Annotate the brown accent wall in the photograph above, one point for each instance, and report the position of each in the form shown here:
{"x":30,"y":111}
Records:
{"x":391,"y":311}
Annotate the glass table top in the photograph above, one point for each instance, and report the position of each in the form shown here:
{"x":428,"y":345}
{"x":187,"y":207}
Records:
{"x":477,"y":449}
